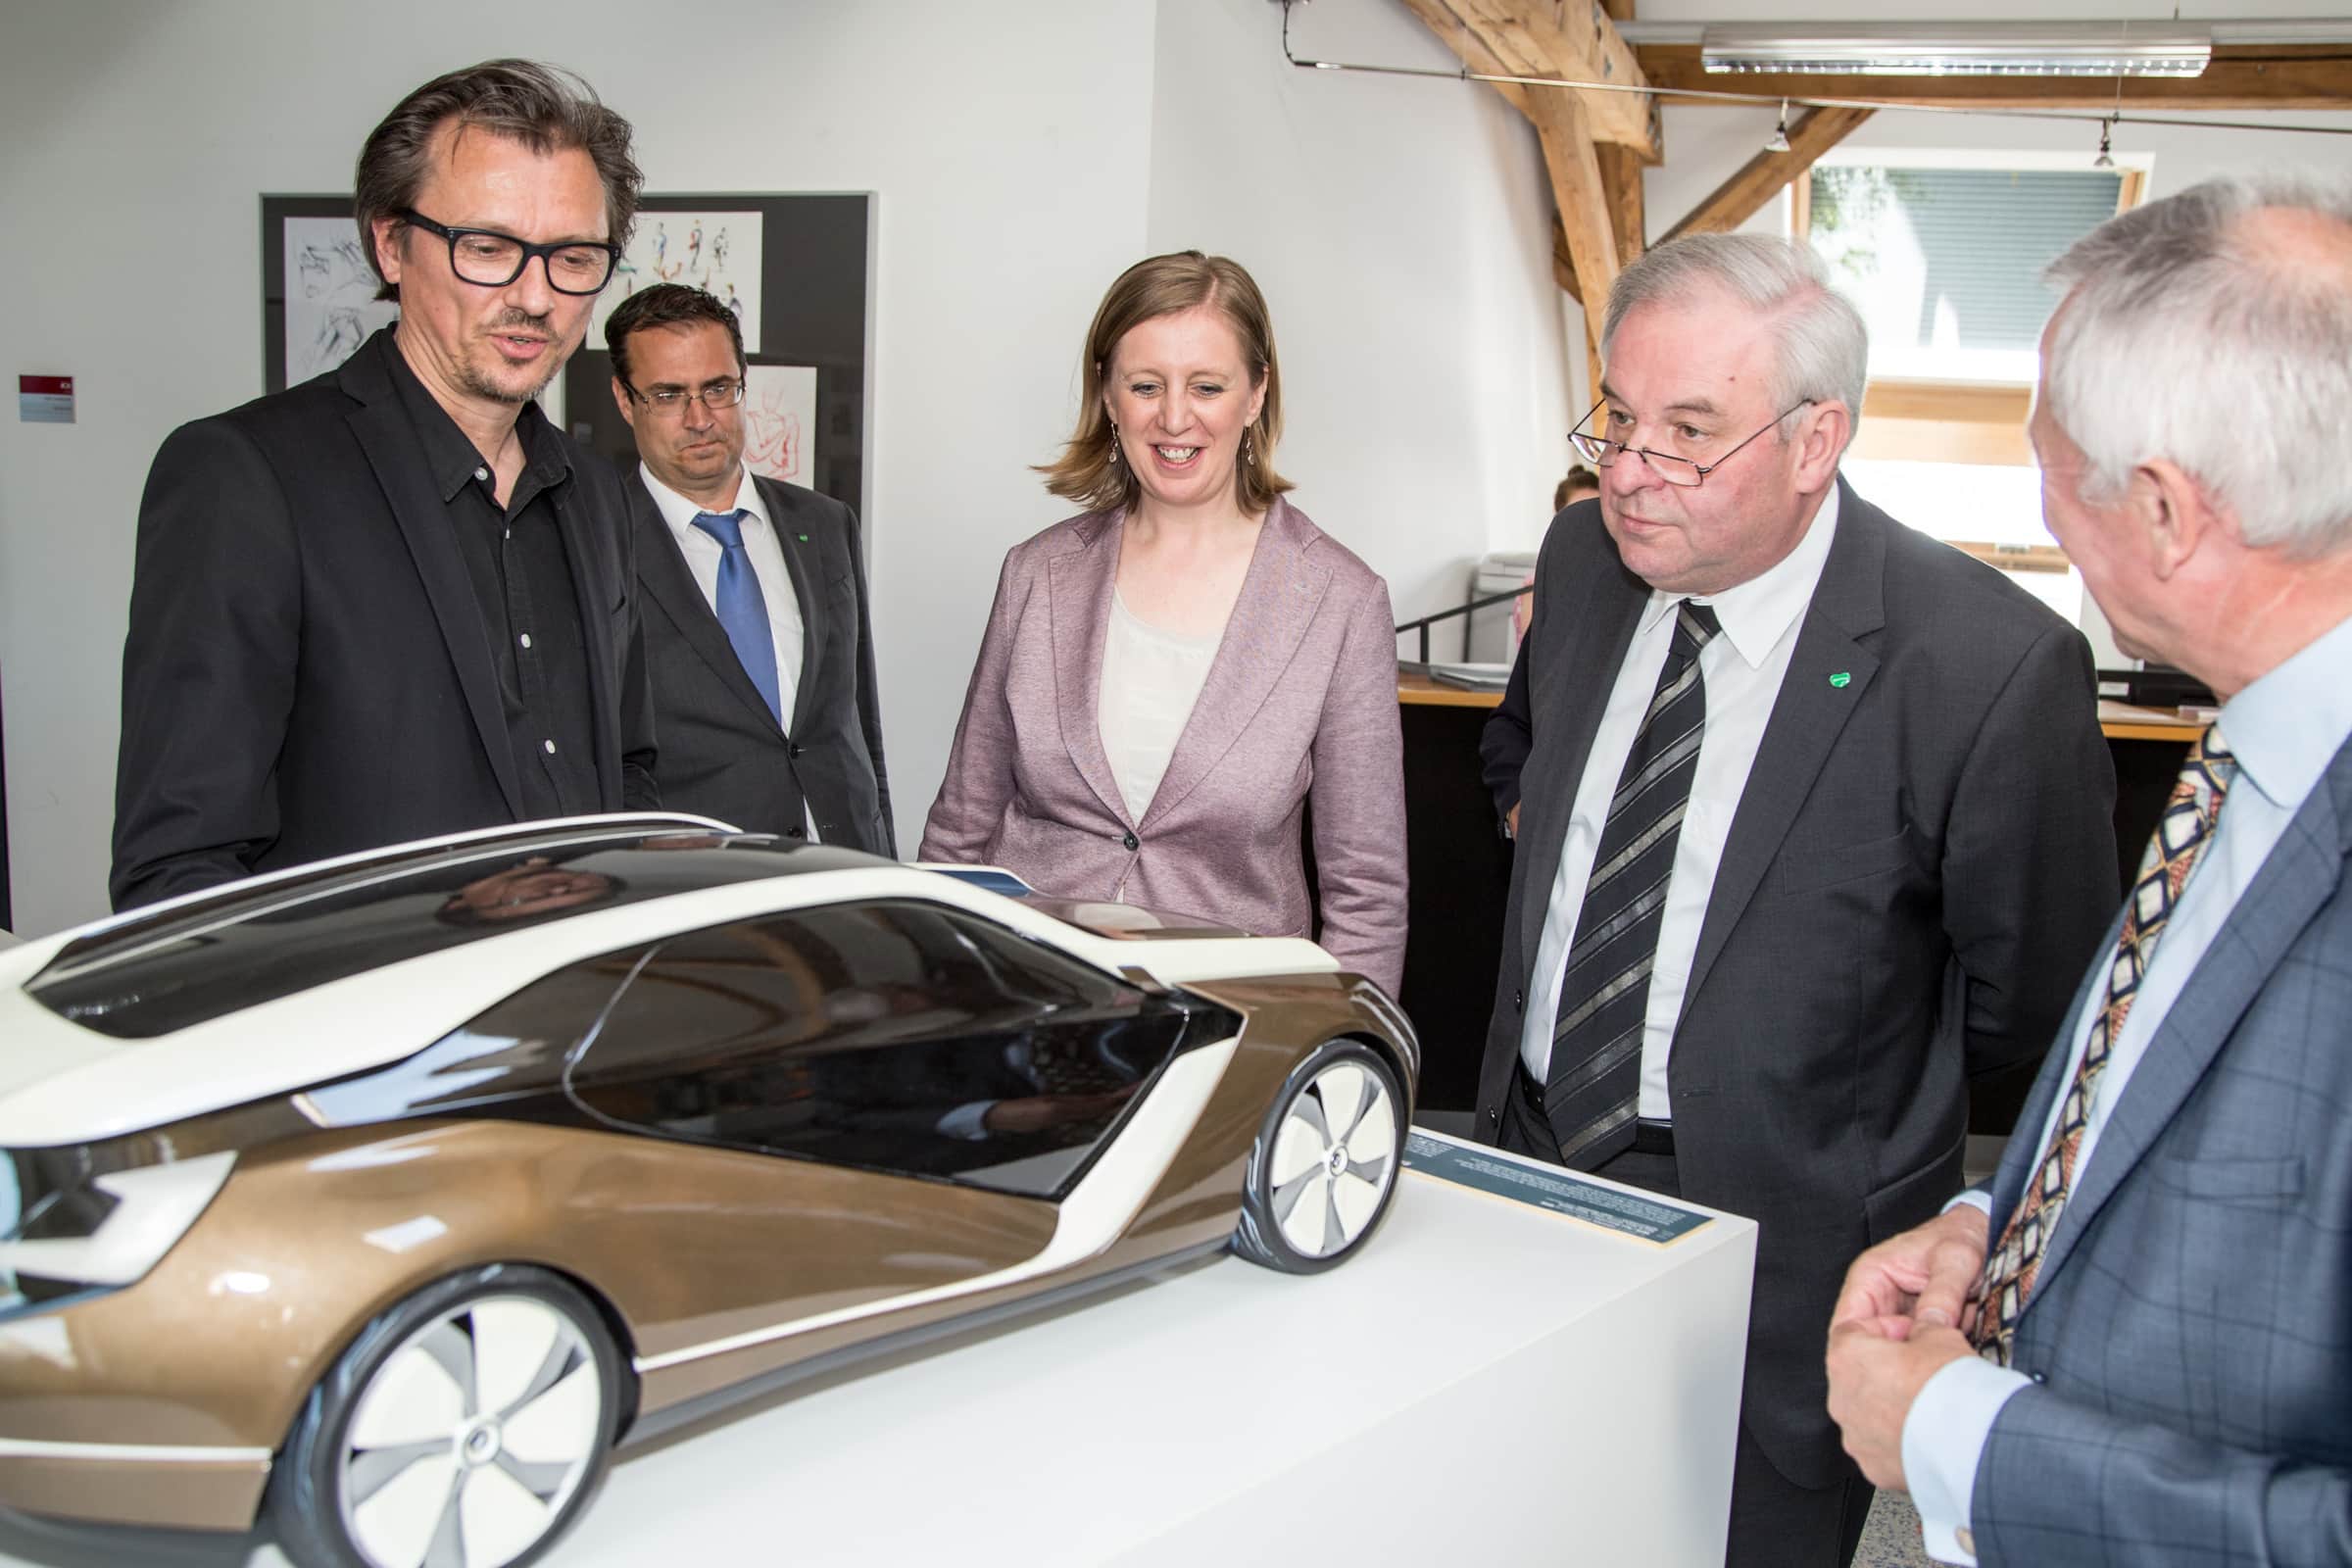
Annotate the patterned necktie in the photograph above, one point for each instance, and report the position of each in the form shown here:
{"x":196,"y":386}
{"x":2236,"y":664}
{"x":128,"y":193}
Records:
{"x":2181,"y":834}
{"x":741,"y":609}
{"x":1592,"y":1089}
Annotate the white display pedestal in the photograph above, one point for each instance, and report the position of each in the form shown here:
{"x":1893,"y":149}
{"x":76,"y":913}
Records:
{"x":1489,"y":1383}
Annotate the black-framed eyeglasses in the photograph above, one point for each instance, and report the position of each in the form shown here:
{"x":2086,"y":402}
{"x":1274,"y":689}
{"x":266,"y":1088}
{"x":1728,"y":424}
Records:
{"x":491,"y":259}
{"x":711,"y":395}
{"x":1600,"y":452}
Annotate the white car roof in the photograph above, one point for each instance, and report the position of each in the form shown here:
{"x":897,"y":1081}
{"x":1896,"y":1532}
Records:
{"x":112,"y":1070}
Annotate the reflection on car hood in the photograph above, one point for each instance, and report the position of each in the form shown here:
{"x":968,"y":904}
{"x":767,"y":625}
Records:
{"x":1128,"y":923}
{"x":1120,"y":922}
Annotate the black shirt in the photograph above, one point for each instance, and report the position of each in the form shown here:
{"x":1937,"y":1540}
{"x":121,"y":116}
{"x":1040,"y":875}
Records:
{"x":522,"y":581}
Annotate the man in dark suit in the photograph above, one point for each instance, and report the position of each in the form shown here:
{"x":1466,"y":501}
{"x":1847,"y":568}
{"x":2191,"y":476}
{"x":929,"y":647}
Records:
{"x":756,"y":631}
{"x":2162,"y":1333}
{"x":395,"y":601}
{"x":1815,"y":827}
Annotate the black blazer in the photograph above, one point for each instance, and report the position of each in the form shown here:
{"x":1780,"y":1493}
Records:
{"x":722,"y":753}
{"x":308,"y":671}
{"x":1921,"y":865}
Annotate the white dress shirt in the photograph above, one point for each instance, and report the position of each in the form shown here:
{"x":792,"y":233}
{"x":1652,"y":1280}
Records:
{"x":766,"y":552}
{"x":1151,"y":678}
{"x":1741,"y":670}
{"x":2284,"y":729}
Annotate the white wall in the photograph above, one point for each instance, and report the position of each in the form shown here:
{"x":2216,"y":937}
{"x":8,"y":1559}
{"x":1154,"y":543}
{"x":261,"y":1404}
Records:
{"x":1401,"y":230}
{"x":1023,"y":154}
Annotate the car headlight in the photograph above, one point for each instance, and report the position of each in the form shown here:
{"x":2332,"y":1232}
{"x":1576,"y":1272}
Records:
{"x":113,"y":1228}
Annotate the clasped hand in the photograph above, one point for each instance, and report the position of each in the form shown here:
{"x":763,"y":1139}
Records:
{"x":1905,"y":1313}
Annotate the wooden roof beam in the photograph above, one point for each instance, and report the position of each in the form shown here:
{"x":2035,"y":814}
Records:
{"x":1743,"y":195}
{"x":2240,"y":76}
{"x":1564,"y":39}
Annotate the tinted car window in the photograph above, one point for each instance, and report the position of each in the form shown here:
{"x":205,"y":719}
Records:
{"x":895,"y":1036}
{"x":507,"y":1061}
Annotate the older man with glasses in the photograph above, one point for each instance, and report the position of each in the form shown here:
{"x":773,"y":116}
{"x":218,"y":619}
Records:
{"x":396,"y":601}
{"x":755,"y":626}
{"x":1814,"y":822}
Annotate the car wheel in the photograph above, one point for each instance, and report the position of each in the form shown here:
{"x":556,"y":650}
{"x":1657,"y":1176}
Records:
{"x":1325,"y":1162}
{"x":465,"y":1427}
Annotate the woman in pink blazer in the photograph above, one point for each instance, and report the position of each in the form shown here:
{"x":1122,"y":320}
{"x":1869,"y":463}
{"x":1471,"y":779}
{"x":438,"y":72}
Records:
{"x":1168,"y":679}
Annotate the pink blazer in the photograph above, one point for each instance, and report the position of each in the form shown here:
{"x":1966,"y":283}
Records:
{"x":1300,"y":704}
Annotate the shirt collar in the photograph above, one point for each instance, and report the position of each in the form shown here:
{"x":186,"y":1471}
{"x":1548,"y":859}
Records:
{"x":450,"y":456}
{"x":1755,"y":615}
{"x":2286,"y":727}
{"x":680,"y":512}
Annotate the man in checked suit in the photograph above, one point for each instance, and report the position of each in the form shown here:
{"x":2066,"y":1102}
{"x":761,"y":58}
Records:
{"x":1816,"y":826}
{"x":2164,"y":1333}
{"x":756,"y":622}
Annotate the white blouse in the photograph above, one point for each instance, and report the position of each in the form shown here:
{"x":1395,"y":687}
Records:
{"x":1150,"y":679}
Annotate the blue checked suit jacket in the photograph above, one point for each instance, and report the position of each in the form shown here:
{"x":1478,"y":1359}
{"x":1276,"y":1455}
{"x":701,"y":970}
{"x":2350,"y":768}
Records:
{"x":2190,"y":1333}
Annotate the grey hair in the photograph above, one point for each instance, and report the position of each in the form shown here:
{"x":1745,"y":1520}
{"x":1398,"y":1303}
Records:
{"x":2184,"y":337}
{"x":1823,"y":349}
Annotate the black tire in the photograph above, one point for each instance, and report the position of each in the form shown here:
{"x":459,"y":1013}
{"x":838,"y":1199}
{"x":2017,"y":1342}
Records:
{"x":1347,"y":1223}
{"x":319,"y":1521}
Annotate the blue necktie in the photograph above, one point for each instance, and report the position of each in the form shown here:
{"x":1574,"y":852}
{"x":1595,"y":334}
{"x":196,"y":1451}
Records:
{"x":741,"y":609}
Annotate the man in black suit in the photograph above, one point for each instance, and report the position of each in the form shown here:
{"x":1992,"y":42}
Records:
{"x":1815,"y":827}
{"x":755,"y":628}
{"x":396,"y":601}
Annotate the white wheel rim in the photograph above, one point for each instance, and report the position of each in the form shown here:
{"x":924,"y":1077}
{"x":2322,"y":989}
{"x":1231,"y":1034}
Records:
{"x":471,"y":1437}
{"x":1334,"y":1157}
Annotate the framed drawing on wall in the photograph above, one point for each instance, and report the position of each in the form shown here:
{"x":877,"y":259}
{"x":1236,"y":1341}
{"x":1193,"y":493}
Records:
{"x":317,"y":291}
{"x":794,"y":271}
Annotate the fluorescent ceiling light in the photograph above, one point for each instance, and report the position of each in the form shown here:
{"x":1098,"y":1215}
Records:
{"x":1939,"y":49}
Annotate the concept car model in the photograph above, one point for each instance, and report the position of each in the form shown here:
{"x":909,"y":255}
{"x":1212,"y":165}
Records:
{"x":380,"y":1198}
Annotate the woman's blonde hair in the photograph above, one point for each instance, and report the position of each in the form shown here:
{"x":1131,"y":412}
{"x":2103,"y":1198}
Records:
{"x":1088,"y":471}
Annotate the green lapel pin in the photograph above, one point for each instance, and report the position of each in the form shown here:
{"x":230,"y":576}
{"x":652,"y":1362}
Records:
{"x":802,"y":537}
{"x":1843,"y":679}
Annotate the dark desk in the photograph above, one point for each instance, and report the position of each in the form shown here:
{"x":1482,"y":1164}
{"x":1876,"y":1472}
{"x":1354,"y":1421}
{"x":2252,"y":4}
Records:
{"x":1461,"y":869}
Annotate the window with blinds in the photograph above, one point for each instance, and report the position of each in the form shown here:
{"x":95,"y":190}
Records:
{"x":1945,"y":255}
{"x":1946,"y":263}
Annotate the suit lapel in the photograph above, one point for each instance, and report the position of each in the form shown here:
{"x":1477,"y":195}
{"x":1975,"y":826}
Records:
{"x":1078,"y":588}
{"x":1280,"y":595}
{"x":1598,"y":609}
{"x":1848,"y":603}
{"x":2303,"y":870}
{"x":385,"y":435}
{"x":798,"y":559}
{"x":669,"y":582}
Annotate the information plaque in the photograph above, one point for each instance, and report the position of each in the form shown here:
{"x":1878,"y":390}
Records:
{"x":1639,"y":1215}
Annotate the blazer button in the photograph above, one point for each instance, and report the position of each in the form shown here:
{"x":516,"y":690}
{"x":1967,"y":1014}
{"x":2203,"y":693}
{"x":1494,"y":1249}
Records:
{"x":1519,"y":1002}
{"x":793,"y":751}
{"x":1129,"y":841}
{"x":1493,"y":1115}
{"x":796,"y":832}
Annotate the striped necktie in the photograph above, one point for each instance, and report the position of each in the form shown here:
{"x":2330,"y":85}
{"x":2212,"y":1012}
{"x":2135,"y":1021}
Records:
{"x":741,"y":608}
{"x":2181,"y":834}
{"x":1592,"y":1091}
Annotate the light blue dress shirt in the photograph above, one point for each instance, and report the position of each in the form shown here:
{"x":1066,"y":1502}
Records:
{"x":2285,"y":729}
